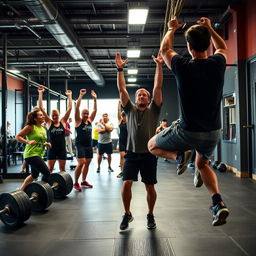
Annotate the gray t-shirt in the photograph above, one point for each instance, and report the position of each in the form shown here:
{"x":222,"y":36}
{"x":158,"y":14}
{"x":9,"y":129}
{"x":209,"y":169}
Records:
{"x":104,"y":138}
{"x":141,"y":126}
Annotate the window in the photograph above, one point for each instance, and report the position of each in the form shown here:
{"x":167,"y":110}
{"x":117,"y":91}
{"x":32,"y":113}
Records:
{"x":229,"y":118}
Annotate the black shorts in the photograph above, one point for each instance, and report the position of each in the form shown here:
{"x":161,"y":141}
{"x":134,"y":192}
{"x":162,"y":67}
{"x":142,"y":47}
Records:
{"x":84,"y":152}
{"x":105,"y":148}
{"x":122,"y":147}
{"x":53,"y":154}
{"x":145,"y":163}
{"x":94,"y":143}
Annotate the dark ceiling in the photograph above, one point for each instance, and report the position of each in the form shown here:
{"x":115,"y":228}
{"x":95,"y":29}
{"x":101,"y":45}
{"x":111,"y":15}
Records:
{"x":98,"y":28}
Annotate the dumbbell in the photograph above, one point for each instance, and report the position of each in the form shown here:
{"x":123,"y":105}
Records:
{"x":215,"y":164}
{"x":41,"y":194}
{"x":222,"y":167}
{"x":16,"y":208}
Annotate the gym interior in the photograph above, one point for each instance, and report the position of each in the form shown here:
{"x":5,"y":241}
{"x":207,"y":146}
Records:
{"x":71,"y":45}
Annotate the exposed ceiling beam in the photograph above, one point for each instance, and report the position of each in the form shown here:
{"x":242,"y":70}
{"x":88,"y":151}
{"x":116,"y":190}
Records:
{"x":65,"y":35}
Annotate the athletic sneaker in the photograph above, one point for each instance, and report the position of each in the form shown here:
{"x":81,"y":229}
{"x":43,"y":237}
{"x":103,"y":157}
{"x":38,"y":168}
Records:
{"x":151,"y":224}
{"x":110,"y":169}
{"x":98,"y":169}
{"x":220,"y":213}
{"x":191,"y":165}
{"x":77,"y":187}
{"x":198,"y":182}
{"x":120,"y":175}
{"x":86,"y":184}
{"x":183,"y":159}
{"x":127,"y":218}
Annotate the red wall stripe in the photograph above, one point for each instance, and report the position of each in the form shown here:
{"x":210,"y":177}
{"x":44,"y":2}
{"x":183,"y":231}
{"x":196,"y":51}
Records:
{"x":12,"y":82}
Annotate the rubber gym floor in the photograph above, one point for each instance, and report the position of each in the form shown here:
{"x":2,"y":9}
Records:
{"x":87,"y":222}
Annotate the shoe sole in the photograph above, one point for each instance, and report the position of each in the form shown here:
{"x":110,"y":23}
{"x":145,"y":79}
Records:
{"x":185,"y":163}
{"x":222,"y":216}
{"x":78,"y":190}
{"x":151,"y":227}
{"x":128,"y":224}
{"x":85,"y":186}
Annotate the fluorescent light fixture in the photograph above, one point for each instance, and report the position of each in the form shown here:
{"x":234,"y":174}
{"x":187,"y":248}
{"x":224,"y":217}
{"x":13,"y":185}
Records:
{"x":133,"y":53}
{"x":132,"y":79}
{"x":132,"y":71}
{"x":137,"y":16}
{"x":15,"y":71}
{"x":74,"y":53}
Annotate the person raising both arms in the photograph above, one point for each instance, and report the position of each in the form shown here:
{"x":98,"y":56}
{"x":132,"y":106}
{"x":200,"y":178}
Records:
{"x":142,"y":119}
{"x":83,"y":125}
{"x":200,"y":83}
{"x":34,"y":136}
{"x":56,"y":129}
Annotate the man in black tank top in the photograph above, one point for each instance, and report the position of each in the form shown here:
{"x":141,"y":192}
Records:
{"x":83,"y":126}
{"x":200,"y":83}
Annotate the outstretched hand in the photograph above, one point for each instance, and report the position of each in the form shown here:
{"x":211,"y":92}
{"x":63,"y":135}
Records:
{"x":174,"y":24}
{"x":119,"y":62}
{"x":83,"y":92}
{"x":158,"y":60}
{"x":204,"y":22}
{"x":94,"y":95}
{"x":40,"y":89}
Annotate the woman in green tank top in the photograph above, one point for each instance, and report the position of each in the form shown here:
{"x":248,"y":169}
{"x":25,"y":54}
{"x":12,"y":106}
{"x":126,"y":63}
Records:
{"x":35,"y":137}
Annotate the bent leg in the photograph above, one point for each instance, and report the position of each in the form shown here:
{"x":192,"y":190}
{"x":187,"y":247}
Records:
{"x":208,"y":175}
{"x":155,"y":150}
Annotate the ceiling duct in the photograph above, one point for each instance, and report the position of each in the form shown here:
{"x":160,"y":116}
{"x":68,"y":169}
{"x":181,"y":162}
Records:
{"x":63,"y":33}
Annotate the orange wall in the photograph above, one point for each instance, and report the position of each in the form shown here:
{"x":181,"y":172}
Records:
{"x":12,"y":82}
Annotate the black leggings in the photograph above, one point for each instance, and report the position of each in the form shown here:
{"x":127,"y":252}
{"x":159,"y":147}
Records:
{"x":38,"y":165}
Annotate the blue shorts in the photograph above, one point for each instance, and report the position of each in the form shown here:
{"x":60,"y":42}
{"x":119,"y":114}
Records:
{"x":144,"y":163}
{"x":105,"y":148}
{"x":176,"y":139}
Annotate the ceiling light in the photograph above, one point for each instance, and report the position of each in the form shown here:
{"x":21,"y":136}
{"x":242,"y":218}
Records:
{"x":15,"y":71}
{"x":137,"y":16}
{"x":132,"y":71}
{"x":133,"y":53}
{"x":132,"y":79}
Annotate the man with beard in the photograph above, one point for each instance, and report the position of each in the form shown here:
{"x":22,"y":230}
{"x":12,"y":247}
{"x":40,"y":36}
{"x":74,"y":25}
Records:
{"x":142,"y":119}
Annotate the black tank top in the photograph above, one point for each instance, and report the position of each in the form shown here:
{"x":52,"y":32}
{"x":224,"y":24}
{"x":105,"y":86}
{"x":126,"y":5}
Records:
{"x":57,"y":137}
{"x":123,"y":133}
{"x":84,"y":134}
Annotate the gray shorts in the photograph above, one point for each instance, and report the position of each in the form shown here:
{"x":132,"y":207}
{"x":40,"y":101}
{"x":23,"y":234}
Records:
{"x":176,"y":139}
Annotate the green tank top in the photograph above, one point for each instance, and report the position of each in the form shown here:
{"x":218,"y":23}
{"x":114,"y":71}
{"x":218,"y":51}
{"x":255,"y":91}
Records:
{"x":40,"y":136}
